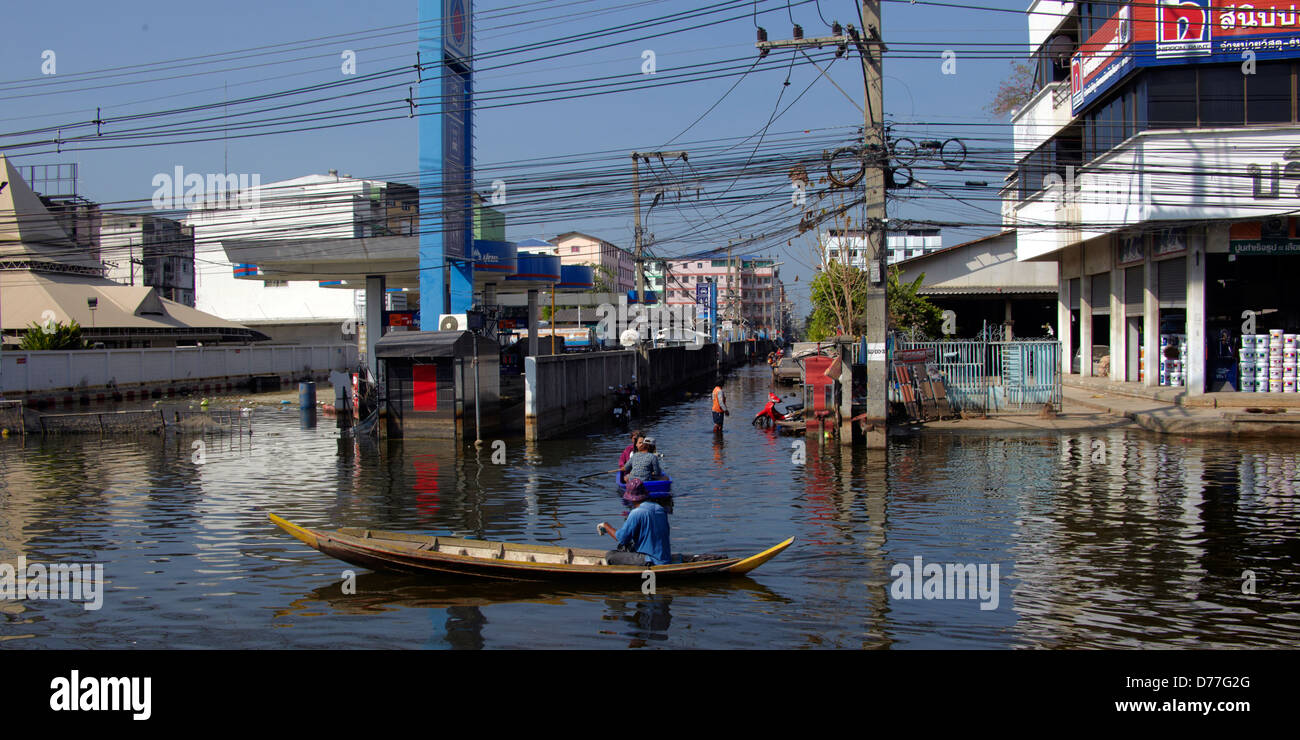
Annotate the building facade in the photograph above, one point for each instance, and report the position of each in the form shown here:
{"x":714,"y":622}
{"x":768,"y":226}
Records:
{"x":1157,"y":165}
{"x":613,"y":264}
{"x":749,"y":286}
{"x":139,"y":249}
{"x":314,"y":207}
{"x":902,"y":244}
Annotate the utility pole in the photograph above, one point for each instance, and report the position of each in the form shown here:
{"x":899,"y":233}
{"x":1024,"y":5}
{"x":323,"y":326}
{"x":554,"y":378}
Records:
{"x":875,"y":160}
{"x":871,"y":49}
{"x":638,"y":238}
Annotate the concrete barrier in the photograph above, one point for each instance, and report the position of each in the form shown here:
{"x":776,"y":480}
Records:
{"x":55,"y":372}
{"x":663,"y":369}
{"x":562,"y":392}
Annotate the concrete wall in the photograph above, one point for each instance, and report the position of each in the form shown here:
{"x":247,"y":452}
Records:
{"x":55,"y":371}
{"x":661,"y":369}
{"x":562,"y":392}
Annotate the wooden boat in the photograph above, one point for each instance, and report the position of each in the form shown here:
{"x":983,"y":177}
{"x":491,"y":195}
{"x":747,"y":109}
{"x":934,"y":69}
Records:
{"x":653,"y":488}
{"x":454,"y":556}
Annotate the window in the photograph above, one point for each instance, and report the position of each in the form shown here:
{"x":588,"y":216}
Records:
{"x":574,"y":249}
{"x":1268,"y":93}
{"x":1221,"y":96}
{"x":1092,"y":16}
{"x":1172,"y":97}
{"x":275,"y":283}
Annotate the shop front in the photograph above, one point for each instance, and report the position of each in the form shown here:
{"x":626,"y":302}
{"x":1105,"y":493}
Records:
{"x":1253,"y":307}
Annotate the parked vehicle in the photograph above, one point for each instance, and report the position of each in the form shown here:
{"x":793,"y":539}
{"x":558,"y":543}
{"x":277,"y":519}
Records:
{"x":772,"y":413}
{"x":787,"y":370}
{"x":627,"y":403}
{"x":1099,"y":352}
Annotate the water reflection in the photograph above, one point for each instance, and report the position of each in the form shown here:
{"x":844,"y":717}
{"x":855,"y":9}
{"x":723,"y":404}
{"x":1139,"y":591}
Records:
{"x":1108,"y":538}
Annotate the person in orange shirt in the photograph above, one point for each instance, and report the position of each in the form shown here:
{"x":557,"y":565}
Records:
{"x":719,"y":406}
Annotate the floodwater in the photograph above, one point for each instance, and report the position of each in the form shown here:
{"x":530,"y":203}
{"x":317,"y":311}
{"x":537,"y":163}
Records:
{"x":1103,"y":539}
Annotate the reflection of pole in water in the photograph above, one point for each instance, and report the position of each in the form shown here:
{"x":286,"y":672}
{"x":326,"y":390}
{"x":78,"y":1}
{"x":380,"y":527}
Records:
{"x":464,"y":627}
{"x":876,"y":490}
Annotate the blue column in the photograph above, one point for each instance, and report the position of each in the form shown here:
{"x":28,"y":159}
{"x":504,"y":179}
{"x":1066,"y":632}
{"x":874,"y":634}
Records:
{"x":446,"y":161}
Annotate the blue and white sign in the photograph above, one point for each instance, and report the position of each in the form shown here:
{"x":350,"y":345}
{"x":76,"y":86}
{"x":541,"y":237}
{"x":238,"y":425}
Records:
{"x":704,"y":300}
{"x":456,"y":31}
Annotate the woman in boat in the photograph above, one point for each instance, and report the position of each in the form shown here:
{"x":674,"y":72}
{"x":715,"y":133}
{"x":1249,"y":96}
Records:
{"x":644,"y":464}
{"x":637,"y":434}
{"x":644,"y":537}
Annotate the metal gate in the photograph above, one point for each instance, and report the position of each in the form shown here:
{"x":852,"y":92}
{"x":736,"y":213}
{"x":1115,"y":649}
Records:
{"x":994,"y":377}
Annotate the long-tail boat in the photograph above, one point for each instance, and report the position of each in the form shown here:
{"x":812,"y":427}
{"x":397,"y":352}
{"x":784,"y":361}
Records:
{"x":454,"y":556}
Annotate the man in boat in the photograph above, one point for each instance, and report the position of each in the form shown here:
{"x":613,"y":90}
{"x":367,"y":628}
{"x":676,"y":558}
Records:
{"x":644,"y":463}
{"x":719,"y":406}
{"x":644,"y":537}
{"x":637,"y":434}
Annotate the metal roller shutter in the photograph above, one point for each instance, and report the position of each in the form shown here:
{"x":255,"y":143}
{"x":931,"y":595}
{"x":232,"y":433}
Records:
{"x":1134,"y":287}
{"x":1171,"y":278}
{"x":1100,"y":293}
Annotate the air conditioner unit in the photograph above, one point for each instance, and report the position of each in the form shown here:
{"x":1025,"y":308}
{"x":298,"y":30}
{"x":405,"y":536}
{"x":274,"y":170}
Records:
{"x":453,"y":322}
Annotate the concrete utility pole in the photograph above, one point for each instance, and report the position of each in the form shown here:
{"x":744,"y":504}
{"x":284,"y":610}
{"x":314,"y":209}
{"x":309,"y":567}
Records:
{"x":638,"y":239}
{"x":877,"y":307}
{"x":875,"y":155}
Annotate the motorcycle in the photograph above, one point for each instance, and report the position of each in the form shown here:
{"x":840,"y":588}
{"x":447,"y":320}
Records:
{"x":770,"y":414}
{"x":626,"y":404}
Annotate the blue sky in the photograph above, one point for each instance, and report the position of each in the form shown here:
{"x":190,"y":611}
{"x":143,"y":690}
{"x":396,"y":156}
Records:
{"x":91,"y":36}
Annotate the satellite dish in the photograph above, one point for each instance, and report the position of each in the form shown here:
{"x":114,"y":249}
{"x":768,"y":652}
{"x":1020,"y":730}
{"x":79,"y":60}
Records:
{"x":630,"y":338}
{"x":1060,"y":49}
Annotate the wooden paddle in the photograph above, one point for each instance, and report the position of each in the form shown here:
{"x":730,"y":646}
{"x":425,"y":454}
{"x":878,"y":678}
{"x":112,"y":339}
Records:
{"x":603,"y":472}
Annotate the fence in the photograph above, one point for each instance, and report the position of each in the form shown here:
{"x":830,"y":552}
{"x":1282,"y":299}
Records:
{"x":144,"y":421}
{"x":993,"y":377}
{"x":55,"y":370}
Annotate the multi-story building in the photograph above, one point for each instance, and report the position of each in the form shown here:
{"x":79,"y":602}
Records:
{"x":613,"y":264}
{"x":749,"y":286}
{"x":140,"y":249}
{"x":901,"y":244}
{"x":312,"y":207}
{"x":1157,"y":166}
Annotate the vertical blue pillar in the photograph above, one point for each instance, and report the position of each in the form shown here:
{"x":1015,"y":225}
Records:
{"x":713,"y":313}
{"x":446,"y":158}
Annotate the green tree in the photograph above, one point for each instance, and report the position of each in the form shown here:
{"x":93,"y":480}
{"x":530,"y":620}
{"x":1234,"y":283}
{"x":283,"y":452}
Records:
{"x":839,"y":295}
{"x":908,"y":309}
{"x":602,"y":278}
{"x":52,"y":336}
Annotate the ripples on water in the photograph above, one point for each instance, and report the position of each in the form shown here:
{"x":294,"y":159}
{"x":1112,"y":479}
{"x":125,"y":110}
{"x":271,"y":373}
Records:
{"x":1102,"y":539}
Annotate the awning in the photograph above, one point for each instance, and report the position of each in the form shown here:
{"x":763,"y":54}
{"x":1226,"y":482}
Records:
{"x":414,"y":345}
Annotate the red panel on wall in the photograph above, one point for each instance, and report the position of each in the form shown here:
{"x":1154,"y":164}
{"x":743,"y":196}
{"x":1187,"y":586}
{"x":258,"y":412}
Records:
{"x":425,"y":387}
{"x":815,"y":376}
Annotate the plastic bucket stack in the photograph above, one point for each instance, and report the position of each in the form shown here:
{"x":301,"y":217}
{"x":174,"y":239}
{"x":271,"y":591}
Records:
{"x":1270,"y":360}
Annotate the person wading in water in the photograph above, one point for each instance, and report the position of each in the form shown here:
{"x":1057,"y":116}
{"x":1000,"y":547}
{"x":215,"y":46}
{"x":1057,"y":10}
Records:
{"x":719,"y":406}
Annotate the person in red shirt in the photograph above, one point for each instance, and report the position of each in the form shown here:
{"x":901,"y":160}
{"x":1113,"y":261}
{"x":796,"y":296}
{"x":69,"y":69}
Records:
{"x":637,"y":434}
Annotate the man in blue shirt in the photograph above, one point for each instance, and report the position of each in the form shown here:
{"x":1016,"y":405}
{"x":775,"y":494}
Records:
{"x":643,"y":538}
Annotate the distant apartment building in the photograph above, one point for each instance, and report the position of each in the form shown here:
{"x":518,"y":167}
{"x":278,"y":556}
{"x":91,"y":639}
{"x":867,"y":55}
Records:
{"x":903,"y":244}
{"x":140,"y":249}
{"x":749,"y":286}
{"x":311,"y":207}
{"x":613,"y":265}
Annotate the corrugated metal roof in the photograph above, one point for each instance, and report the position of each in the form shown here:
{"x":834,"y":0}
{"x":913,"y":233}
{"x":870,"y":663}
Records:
{"x":983,"y":290}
